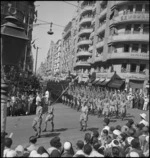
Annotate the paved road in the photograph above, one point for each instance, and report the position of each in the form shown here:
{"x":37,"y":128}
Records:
{"x":66,"y":126}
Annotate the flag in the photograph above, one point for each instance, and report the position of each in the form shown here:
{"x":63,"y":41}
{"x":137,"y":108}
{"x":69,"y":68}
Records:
{"x":24,"y":19}
{"x":34,"y":46}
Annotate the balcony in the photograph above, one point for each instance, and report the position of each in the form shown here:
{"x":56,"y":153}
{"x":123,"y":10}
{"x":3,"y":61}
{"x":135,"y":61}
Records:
{"x":103,"y":13}
{"x":86,"y":9}
{"x":129,"y":37}
{"x":85,"y":42}
{"x":85,"y":31}
{"x":100,"y":44}
{"x":83,"y":53}
{"x":85,"y":20}
{"x":131,"y":55}
{"x":91,"y":35}
{"x":90,"y":48}
{"x":101,"y":28}
{"x":98,"y":58}
{"x":82,"y":63}
{"x":130,"y":17}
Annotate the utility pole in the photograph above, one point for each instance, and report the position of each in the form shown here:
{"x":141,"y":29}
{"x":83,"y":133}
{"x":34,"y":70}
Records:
{"x":36,"y":59}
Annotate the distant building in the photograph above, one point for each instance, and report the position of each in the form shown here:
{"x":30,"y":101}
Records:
{"x":50,"y":62}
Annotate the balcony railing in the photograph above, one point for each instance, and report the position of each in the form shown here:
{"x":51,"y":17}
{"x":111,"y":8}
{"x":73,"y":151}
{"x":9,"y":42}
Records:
{"x":85,"y":19}
{"x":129,"y":37}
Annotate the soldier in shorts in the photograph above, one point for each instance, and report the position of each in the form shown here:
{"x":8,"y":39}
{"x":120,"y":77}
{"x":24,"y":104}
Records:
{"x":49,"y":117}
{"x":84,"y":116}
{"x":38,"y":119}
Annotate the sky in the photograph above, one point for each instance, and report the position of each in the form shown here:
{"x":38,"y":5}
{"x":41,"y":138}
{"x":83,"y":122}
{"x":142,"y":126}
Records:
{"x":57,"y":12}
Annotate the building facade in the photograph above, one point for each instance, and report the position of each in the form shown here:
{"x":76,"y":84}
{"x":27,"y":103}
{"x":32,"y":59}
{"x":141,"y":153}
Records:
{"x":113,"y":37}
{"x":24,"y":11}
{"x":50,"y":62}
{"x":66,"y":63}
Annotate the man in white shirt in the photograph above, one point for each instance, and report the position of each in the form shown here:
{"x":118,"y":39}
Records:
{"x":38,"y":99}
{"x":8,"y":143}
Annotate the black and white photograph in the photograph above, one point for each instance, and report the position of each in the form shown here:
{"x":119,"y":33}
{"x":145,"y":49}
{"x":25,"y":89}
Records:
{"x":75,"y":78}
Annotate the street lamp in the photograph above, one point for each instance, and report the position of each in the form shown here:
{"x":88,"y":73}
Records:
{"x":13,"y":42}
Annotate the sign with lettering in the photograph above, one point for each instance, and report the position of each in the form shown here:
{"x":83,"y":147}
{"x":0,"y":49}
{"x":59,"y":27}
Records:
{"x":135,"y":16}
{"x":140,"y":55}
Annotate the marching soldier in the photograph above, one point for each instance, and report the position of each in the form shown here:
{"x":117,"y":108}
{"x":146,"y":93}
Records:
{"x":38,"y":119}
{"x":84,"y":116}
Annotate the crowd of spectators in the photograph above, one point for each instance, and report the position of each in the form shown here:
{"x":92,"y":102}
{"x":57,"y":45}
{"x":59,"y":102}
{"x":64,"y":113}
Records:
{"x":129,"y":140}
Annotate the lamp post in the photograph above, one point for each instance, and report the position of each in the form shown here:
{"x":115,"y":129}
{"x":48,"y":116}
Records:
{"x":13,"y":42}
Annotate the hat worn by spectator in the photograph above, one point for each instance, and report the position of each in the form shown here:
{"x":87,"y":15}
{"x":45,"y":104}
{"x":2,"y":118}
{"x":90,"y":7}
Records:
{"x":32,"y":153}
{"x":147,"y":138}
{"x":129,"y":139}
{"x":134,"y":154}
{"x":11,"y":153}
{"x":45,"y":155}
{"x":115,"y":143}
{"x":116,"y":132}
{"x":143,"y":116}
{"x":19,"y":150}
{"x":106,"y":128}
{"x":67,"y":146}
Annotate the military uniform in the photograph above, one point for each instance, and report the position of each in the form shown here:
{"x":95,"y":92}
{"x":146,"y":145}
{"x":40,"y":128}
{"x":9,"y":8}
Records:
{"x":38,"y":120}
{"x":84,"y":117}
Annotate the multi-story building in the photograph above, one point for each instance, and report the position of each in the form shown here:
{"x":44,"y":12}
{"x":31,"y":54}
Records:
{"x":57,"y":57}
{"x":24,"y":11}
{"x":116,"y":38}
{"x":50,"y":59}
{"x":83,"y":55}
{"x":66,"y":61}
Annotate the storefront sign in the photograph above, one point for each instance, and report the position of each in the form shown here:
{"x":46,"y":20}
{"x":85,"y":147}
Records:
{"x":140,"y":55}
{"x":135,"y":16}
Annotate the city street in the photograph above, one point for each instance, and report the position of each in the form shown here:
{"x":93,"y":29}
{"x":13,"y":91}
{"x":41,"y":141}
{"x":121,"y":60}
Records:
{"x":67,"y":126}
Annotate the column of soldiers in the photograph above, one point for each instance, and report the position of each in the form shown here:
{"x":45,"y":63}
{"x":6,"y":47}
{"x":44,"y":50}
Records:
{"x":101,"y":101}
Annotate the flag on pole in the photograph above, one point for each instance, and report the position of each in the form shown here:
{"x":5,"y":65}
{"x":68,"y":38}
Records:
{"x":34,"y":46}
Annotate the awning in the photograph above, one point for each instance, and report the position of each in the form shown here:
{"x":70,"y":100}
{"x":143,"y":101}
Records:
{"x":116,"y":84}
{"x":96,"y":80}
{"x":136,"y":84}
{"x":104,"y":83}
{"x":101,"y":80}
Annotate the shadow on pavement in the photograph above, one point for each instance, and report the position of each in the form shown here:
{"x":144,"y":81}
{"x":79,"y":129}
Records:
{"x":61,"y":129}
{"x":112,"y":120}
{"x":50,"y":135}
{"x":92,"y":129}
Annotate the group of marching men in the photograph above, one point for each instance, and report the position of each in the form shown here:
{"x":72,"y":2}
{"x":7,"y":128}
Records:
{"x":99,"y":100}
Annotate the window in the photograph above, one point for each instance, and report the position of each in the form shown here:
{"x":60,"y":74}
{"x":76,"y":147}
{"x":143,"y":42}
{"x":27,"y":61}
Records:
{"x":147,"y":8}
{"x":133,"y":68}
{"x":126,"y":47}
{"x":144,"y":48}
{"x":146,"y":29}
{"x":128,"y":29}
{"x":135,"y":48}
{"x":137,"y":28}
{"x":123,"y":67}
{"x":139,"y":8}
{"x":130,"y":8}
{"x":142,"y":68}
